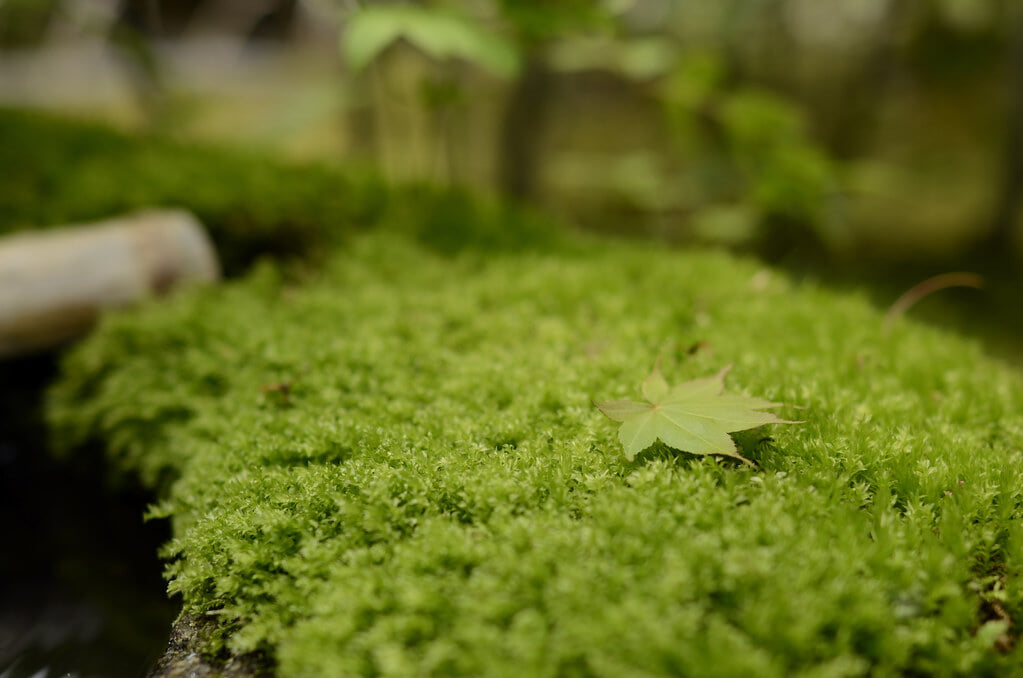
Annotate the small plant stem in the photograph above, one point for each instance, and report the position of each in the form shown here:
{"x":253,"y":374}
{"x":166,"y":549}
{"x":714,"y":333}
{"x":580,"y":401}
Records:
{"x":927,"y":287}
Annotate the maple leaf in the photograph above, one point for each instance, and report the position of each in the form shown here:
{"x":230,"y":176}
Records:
{"x":695,"y":416}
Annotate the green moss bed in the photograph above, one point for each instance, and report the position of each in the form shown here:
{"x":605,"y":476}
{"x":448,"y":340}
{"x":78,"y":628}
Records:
{"x":393,"y":467}
{"x":55,"y":171}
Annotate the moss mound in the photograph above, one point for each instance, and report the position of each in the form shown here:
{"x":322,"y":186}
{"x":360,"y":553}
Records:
{"x":60,"y":171}
{"x":395,"y":469}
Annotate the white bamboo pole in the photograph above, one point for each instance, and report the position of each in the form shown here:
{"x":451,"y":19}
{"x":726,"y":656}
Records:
{"x":55,"y":283}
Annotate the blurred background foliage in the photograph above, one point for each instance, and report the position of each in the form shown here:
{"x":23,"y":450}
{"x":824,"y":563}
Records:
{"x":845,"y":131}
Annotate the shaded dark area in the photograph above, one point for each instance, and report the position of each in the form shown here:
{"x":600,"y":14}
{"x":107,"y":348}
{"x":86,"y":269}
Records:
{"x":1007,"y":206}
{"x":80,"y":582}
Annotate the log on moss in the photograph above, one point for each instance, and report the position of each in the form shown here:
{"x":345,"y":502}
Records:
{"x":54,"y":284}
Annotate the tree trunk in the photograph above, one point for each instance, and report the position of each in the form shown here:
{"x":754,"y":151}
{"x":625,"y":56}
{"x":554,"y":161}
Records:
{"x":522,"y":130}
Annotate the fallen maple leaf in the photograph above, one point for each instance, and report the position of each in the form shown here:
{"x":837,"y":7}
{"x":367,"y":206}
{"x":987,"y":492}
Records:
{"x":695,"y":416}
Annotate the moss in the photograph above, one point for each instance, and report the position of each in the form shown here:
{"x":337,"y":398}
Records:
{"x":58,"y":171}
{"x":396,"y":469}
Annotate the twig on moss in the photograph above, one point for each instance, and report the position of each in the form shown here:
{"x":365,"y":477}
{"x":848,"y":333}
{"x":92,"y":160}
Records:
{"x":928,"y":287}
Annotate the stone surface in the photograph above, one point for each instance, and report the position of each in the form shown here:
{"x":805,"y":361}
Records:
{"x":184,"y":659}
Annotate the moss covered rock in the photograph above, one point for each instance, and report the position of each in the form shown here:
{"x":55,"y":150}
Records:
{"x":396,"y":469}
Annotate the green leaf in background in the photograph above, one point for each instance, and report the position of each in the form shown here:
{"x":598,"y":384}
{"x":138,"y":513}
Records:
{"x":695,"y":416}
{"x":439,"y":34}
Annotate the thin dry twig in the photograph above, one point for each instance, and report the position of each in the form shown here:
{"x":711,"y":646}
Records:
{"x":930,"y":286}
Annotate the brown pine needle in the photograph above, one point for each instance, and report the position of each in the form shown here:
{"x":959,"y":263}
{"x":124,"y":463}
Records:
{"x":928,"y":287}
